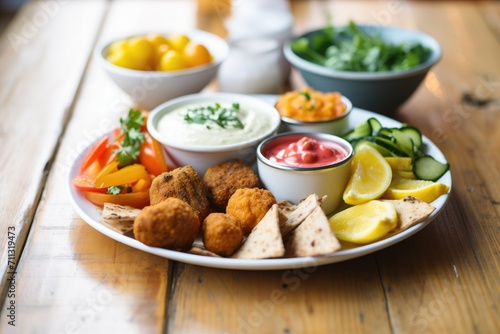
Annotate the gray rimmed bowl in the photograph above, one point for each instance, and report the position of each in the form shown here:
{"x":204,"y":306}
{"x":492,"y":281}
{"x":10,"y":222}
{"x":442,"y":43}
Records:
{"x":381,"y":92}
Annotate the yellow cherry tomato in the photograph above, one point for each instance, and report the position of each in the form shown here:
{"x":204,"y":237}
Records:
{"x":120,"y":58}
{"x":141,"y":51}
{"x":196,"y":54}
{"x":157,"y":39}
{"x":140,"y":48}
{"x":178,"y":42}
{"x":117,"y":47}
{"x":160,"y":50}
{"x":172,"y":60}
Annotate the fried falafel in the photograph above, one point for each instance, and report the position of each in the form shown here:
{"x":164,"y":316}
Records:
{"x":249,"y":206}
{"x":222,"y":180}
{"x":171,"y":224}
{"x":221,"y":234}
{"x":183,"y":183}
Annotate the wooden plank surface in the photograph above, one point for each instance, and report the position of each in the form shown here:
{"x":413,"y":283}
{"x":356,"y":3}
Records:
{"x":71,"y":278}
{"x":345,"y":297}
{"x":69,"y":271}
{"x":42,"y":57}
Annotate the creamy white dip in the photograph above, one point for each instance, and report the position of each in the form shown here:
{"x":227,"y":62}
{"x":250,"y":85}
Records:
{"x":175,"y":129}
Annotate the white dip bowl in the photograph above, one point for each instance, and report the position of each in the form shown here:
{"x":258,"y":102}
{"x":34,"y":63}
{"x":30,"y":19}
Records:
{"x":203,"y":145}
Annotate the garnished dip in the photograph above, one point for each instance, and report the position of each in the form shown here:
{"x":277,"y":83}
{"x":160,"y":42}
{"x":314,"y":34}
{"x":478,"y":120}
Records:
{"x":309,"y":105}
{"x":305,"y":152}
{"x":223,"y":117}
{"x":213,"y":124}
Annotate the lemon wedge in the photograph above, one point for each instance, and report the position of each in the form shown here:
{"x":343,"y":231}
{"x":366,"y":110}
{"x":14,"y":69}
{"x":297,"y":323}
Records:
{"x":426,"y":191}
{"x":399,"y":163}
{"x":364,"y":223}
{"x":407,"y":174}
{"x":371,"y":175}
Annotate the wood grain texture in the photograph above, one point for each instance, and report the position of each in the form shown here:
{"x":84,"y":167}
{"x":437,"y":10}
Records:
{"x":70,"y":278}
{"x":93,"y":284}
{"x":42,"y":58}
{"x":301,"y":300}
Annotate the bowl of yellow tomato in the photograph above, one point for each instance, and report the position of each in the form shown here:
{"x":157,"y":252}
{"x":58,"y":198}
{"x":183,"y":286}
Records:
{"x":155,"y":67}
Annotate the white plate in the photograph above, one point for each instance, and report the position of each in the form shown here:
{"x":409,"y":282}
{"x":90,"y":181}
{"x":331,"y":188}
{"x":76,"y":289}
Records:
{"x":91,"y":214}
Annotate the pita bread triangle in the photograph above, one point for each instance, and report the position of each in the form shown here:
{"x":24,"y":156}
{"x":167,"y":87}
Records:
{"x":265,"y":240}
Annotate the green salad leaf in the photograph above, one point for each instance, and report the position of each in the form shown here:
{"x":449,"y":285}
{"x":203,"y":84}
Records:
{"x":352,"y":48}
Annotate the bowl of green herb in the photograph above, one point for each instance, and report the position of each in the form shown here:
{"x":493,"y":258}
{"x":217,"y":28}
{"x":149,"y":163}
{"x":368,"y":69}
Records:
{"x":377,"y":67}
{"x":203,"y":130}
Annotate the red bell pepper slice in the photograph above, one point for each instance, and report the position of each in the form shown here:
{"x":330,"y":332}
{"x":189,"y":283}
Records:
{"x":94,"y":153}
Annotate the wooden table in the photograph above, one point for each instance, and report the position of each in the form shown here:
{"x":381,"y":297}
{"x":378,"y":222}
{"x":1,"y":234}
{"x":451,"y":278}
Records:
{"x":69,"y":278}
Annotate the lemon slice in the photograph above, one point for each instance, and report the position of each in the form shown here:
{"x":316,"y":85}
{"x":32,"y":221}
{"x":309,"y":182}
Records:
{"x":426,"y":191}
{"x":371,"y":175}
{"x":399,"y":163}
{"x":407,"y":174}
{"x":364,"y":223}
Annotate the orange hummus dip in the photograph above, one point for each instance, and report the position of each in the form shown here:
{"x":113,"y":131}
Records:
{"x":309,"y":105}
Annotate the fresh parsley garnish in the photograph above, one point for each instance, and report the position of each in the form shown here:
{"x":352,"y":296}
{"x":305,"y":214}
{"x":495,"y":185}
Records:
{"x":130,"y":147}
{"x":114,"y":190}
{"x":222,"y":116}
{"x":352,"y":48}
{"x":306,"y":95}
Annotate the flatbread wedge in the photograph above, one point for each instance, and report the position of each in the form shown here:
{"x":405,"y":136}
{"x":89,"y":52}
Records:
{"x":119,"y":218}
{"x":202,"y":251}
{"x":313,"y":237}
{"x":410,"y":211}
{"x":296,"y":215}
{"x":265,"y":240}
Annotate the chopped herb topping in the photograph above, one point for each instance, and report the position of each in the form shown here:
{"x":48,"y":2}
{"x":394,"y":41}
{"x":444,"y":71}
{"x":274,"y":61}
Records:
{"x":130,"y":147}
{"x":306,"y":95}
{"x":114,"y":190}
{"x":222,"y":116}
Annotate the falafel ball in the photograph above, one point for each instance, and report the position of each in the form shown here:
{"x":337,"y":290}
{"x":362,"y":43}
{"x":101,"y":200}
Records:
{"x":171,"y":224}
{"x":249,"y":206}
{"x":221,"y":234}
{"x":222,"y":180}
{"x":183,"y":183}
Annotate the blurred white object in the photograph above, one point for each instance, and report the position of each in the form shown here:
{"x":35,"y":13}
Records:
{"x":270,"y":19}
{"x":252,"y":67}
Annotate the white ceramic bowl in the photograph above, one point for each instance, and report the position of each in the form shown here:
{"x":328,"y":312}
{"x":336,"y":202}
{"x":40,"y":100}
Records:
{"x":148,"y":89}
{"x":296,"y":183}
{"x":334,"y":126}
{"x":202,"y":156}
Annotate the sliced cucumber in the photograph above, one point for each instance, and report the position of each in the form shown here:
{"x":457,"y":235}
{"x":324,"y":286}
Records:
{"x":388,"y":145}
{"x":374,"y":124}
{"x":428,"y":168}
{"x":403,"y":142}
{"x":385,"y":131}
{"x":361,"y":130}
{"x":414,"y":134}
